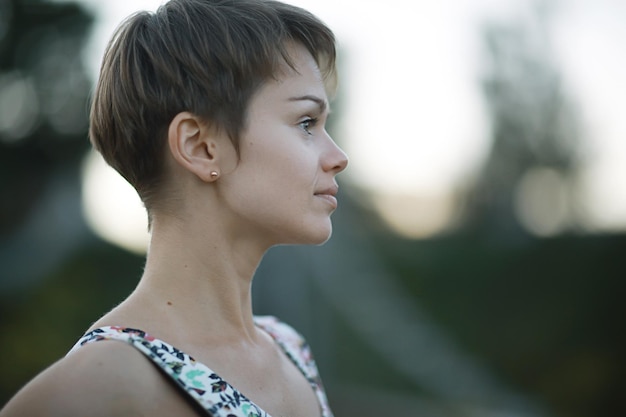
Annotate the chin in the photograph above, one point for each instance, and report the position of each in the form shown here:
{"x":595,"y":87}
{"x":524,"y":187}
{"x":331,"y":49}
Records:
{"x":316,"y":237}
{"x":322,"y":236}
{"x":311,"y":233}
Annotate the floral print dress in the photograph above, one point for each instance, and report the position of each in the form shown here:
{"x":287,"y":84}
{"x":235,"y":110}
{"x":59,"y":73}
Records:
{"x":204,"y":386}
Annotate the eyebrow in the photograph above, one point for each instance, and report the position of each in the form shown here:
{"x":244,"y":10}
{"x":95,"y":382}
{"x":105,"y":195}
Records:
{"x":322,"y":104}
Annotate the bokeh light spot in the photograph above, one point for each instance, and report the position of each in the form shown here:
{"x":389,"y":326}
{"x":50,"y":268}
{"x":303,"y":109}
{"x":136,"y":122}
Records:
{"x":112,"y":207}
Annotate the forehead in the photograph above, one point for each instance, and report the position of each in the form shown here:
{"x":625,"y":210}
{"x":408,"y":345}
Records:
{"x":303,"y":77}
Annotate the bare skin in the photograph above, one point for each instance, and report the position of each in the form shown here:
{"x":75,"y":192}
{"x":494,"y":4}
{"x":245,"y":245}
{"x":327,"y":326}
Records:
{"x":195,"y":290}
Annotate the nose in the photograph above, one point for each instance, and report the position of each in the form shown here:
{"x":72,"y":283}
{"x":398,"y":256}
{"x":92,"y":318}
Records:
{"x":334,"y":159}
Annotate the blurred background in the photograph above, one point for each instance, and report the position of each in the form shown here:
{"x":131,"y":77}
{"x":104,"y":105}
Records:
{"x":476,"y":266}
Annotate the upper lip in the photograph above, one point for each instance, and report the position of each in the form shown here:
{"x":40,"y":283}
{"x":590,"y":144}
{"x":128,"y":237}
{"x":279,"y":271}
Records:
{"x":332,"y":190}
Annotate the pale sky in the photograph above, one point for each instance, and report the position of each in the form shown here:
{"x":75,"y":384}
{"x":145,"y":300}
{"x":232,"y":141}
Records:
{"x":413,"y":120}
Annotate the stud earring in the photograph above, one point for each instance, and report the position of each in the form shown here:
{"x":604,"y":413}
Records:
{"x":214,"y":175}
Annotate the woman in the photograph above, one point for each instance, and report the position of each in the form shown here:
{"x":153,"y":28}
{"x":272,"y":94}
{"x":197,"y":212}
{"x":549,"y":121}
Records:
{"x":214,"y":111}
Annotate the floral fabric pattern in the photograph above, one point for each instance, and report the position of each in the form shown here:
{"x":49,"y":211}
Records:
{"x":214,"y":394}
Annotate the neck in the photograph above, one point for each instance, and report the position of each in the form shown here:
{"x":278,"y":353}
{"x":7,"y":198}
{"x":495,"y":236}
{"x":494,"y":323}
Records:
{"x":189,"y":280}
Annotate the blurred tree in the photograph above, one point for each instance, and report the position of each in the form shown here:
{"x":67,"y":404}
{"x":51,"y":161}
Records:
{"x":43,"y":101}
{"x":44,"y":90}
{"x":541,"y":313}
{"x":534,"y":131}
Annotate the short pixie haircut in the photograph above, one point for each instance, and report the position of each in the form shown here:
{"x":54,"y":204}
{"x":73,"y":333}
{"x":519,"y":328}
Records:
{"x":207,"y":57}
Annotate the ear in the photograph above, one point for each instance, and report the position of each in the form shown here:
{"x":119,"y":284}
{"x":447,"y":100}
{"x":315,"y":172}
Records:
{"x":193,"y":145}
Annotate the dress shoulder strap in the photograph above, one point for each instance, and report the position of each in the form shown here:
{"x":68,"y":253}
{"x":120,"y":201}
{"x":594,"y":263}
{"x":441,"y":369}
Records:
{"x":299,"y":352}
{"x":215,"y":396}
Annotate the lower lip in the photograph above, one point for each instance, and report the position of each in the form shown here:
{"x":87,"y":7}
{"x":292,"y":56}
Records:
{"x":331,"y":199}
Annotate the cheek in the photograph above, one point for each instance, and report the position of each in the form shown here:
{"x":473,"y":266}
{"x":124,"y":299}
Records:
{"x":280,"y":157}
{"x":293,"y":164}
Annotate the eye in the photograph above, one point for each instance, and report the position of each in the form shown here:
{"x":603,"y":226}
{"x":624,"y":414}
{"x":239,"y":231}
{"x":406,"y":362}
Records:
{"x":308,"y":124}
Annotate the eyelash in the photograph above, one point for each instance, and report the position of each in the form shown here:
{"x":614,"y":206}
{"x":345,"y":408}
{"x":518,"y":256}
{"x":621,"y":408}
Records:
{"x":308,"y":124}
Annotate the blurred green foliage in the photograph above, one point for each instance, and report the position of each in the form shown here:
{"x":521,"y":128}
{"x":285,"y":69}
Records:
{"x":543,"y":314}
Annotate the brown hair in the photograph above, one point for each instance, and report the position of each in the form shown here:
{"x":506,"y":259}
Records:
{"x":207,"y":57}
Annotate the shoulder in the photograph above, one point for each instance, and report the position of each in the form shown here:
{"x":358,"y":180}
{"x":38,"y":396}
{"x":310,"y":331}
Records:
{"x":291,"y":341}
{"x":99,"y":379}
